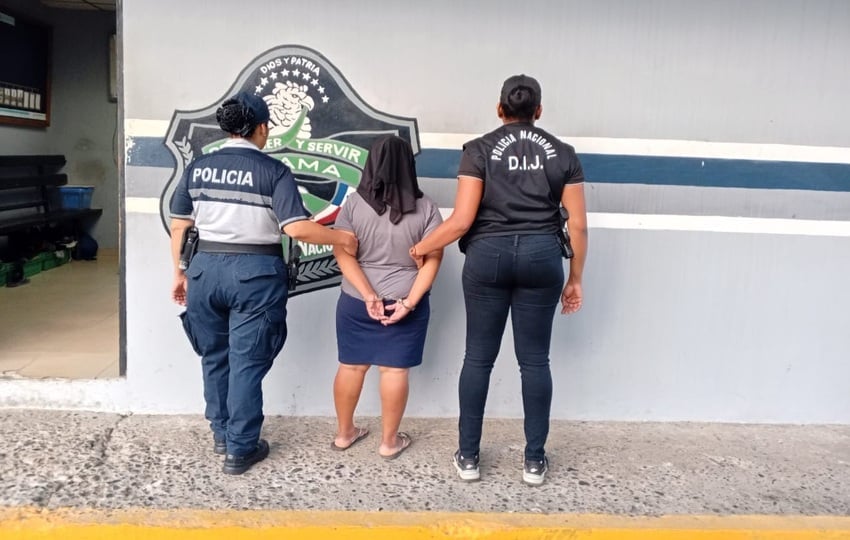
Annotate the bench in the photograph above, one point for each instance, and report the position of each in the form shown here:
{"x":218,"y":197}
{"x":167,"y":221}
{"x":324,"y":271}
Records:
{"x":30,"y":210}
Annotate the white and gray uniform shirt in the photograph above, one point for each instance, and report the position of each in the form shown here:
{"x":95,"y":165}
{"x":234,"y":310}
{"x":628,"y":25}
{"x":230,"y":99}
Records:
{"x":383,"y":251}
{"x":238,"y":195}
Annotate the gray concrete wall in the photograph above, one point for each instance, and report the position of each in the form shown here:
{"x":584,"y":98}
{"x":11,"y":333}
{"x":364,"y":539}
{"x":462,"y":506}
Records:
{"x":714,"y":324}
{"x":83,"y":119}
{"x":762,"y":71}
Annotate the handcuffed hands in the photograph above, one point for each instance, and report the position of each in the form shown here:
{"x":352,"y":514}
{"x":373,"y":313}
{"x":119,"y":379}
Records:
{"x":375,"y":308}
{"x":399,"y":311}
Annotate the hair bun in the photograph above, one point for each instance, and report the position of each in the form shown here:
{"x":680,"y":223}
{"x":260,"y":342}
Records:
{"x":235,"y":118}
{"x":520,"y":97}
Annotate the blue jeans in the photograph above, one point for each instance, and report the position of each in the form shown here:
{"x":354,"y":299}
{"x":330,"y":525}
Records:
{"x":235,"y":319}
{"x":523,"y":275}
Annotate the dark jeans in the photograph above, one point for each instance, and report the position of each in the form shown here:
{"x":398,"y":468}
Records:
{"x":235,"y":319}
{"x":523,"y":274}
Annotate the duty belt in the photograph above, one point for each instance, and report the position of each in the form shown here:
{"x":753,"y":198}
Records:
{"x":226,"y":247}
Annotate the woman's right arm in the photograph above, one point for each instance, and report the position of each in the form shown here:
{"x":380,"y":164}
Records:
{"x":470,"y":190}
{"x":573,"y":200}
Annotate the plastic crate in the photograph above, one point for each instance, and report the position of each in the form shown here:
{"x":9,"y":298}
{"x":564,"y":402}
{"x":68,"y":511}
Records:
{"x":33,"y":267}
{"x":49,"y":263}
{"x":5,"y":269}
{"x":75,"y":196}
{"x":62,"y":256}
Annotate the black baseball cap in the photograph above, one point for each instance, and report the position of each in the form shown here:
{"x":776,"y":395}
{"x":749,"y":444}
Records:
{"x":516,"y":81}
{"x":255,"y":104}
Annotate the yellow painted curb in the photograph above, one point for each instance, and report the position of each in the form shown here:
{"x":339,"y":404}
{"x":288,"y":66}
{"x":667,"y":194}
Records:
{"x":144,"y":524}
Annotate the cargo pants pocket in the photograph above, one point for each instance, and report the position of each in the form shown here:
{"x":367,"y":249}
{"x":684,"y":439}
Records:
{"x":271,"y":335}
{"x":187,"y":327}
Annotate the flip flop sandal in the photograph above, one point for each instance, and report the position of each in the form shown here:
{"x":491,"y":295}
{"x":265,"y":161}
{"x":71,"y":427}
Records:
{"x":406,"y":441}
{"x":361,"y":434}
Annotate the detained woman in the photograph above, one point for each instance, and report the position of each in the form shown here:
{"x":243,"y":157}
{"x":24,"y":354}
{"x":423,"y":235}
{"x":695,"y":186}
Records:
{"x":511,"y":183}
{"x":383,"y":308}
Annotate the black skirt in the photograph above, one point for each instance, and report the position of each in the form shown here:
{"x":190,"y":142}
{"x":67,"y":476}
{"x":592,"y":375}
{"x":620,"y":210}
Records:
{"x":363,"y":340}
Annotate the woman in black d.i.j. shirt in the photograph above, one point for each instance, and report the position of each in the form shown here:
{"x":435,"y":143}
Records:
{"x":511,"y":182}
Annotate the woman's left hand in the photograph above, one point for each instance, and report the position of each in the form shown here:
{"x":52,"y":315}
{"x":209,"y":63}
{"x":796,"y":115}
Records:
{"x":351,"y":243}
{"x":399,"y":311}
{"x":419,"y":259}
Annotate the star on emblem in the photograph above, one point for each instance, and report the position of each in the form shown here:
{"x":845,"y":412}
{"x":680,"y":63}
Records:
{"x":297,"y":72}
{"x":258,"y":89}
{"x":264,"y":81}
{"x":314,"y":82}
{"x":273,"y":75}
{"x":306,"y":76}
{"x":284,"y":73}
{"x":321,"y":89}
{"x":325,"y":99}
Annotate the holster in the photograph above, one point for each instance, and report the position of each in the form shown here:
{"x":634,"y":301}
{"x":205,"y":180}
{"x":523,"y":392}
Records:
{"x":564,"y":233}
{"x":292,"y":262}
{"x":188,"y":247}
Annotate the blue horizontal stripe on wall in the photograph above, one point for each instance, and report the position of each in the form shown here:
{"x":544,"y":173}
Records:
{"x":149,"y":152}
{"x":616,"y":169}
{"x":678,"y":171}
{"x":739,"y":173}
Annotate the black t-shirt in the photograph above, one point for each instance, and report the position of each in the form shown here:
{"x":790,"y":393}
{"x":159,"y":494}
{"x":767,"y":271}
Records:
{"x":524,"y":170}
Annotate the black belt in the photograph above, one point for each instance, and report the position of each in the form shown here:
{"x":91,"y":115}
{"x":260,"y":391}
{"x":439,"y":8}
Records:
{"x":226,"y":247}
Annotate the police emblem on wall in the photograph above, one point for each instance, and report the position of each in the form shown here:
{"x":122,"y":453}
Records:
{"x":319,"y":127}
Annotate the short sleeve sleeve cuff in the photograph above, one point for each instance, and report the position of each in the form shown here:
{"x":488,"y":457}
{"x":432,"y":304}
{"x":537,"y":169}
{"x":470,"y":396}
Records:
{"x":472,"y":162}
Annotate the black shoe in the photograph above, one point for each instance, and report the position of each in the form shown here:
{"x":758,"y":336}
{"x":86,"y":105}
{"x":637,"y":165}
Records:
{"x":534,"y":471}
{"x":239,"y":464}
{"x":219,"y":446}
{"x":467,"y":467}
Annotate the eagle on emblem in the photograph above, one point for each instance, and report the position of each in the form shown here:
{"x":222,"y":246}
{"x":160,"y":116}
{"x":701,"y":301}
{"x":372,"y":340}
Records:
{"x":287,"y":103}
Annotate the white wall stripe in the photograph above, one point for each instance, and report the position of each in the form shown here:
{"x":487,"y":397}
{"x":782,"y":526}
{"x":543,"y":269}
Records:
{"x":672,"y":148}
{"x":605,"y":145}
{"x":138,"y":127}
{"x":717,"y":150}
{"x":719,"y":224}
{"x":141,"y":205}
{"x":650,"y":222}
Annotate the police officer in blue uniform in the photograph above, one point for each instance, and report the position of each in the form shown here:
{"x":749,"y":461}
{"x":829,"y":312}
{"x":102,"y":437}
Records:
{"x":235,"y":288}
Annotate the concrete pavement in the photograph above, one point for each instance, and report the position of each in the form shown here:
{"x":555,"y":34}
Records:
{"x":54,"y":462}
